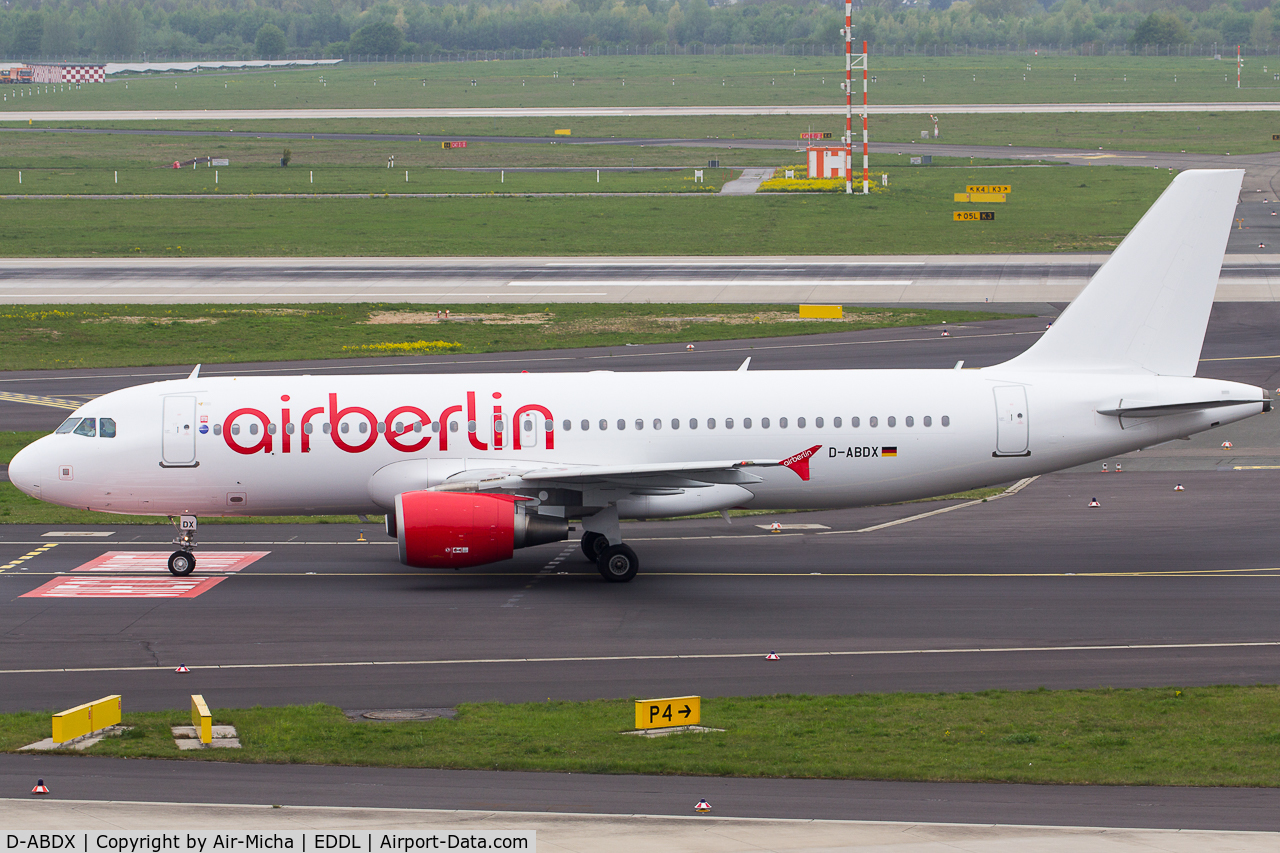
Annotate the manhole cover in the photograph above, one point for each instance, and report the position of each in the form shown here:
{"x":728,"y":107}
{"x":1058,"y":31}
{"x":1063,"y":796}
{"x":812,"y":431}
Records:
{"x":400,"y":715}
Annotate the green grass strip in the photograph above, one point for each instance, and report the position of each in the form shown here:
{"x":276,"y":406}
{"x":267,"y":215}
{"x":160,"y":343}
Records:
{"x":1221,"y":735}
{"x":64,"y":336}
{"x":1086,"y":208}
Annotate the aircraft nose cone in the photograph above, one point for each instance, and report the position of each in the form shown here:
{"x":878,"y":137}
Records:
{"x":24,"y":472}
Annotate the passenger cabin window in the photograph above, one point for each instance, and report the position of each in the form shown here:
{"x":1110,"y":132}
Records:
{"x":928,"y":421}
{"x":88,"y":426}
{"x":711,"y":423}
{"x":728,"y":423}
{"x":854,"y":422}
{"x":67,"y":426}
{"x":568,"y":425}
{"x":639,"y":423}
{"x":946,"y":420}
{"x":892,"y":421}
{"x":873,"y":421}
{"x":835,"y":422}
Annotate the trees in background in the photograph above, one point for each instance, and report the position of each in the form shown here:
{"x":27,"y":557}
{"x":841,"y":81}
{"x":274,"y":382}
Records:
{"x":248,"y":29}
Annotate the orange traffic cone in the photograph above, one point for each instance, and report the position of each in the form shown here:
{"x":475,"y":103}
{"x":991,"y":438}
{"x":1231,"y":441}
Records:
{"x":41,"y":789}
{"x":1094,"y":502}
{"x":702,"y":807}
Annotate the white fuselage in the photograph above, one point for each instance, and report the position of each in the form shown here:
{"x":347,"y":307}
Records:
{"x":310,"y":445}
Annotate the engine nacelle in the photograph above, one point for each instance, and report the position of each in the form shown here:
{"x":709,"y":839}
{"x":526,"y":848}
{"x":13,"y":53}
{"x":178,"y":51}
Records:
{"x":449,"y":530}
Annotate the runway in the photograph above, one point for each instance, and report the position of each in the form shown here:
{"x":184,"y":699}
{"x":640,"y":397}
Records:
{"x":622,"y":111}
{"x":862,"y":280}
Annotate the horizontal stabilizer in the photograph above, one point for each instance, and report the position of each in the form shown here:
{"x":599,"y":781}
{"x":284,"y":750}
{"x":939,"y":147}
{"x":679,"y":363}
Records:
{"x":1146,"y":309}
{"x":1178,"y":408}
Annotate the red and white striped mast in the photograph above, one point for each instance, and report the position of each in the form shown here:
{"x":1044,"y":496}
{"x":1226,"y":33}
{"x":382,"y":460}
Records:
{"x":848,"y":96}
{"x":849,"y":64}
{"x":866,"y":145}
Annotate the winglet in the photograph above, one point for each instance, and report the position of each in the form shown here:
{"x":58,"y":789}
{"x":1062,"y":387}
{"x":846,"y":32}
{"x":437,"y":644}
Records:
{"x":800,"y":462}
{"x":742,"y":368}
{"x":195,"y":374}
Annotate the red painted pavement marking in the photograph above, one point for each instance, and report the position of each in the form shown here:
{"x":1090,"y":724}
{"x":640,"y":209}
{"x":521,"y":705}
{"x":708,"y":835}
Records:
{"x":158,"y":561}
{"x":123,"y":587}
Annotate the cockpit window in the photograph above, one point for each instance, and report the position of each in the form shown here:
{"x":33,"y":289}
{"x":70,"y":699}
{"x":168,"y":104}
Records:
{"x":88,"y":426}
{"x":107,"y":427}
{"x":67,"y":426}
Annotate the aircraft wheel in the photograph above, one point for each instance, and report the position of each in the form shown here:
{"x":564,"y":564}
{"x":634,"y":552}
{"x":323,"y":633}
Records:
{"x":618,"y":564}
{"x":182,"y":563}
{"x":593,"y":545}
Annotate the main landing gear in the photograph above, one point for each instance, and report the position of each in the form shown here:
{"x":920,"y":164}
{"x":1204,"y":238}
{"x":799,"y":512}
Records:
{"x":182,"y":562}
{"x":616,"y":563}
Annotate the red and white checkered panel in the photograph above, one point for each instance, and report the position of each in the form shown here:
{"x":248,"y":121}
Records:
{"x":84,"y":73}
{"x":158,"y":561}
{"x":90,"y":586}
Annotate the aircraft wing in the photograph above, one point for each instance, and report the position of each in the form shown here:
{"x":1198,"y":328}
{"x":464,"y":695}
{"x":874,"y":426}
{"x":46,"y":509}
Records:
{"x":671,"y":475}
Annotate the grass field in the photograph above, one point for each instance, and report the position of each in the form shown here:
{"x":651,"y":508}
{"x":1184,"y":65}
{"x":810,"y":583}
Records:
{"x":84,"y":163}
{"x":51,"y":336}
{"x":248,"y":178}
{"x":1051,"y":210}
{"x":1221,"y":736}
{"x":698,"y":80}
{"x":1202,"y":132}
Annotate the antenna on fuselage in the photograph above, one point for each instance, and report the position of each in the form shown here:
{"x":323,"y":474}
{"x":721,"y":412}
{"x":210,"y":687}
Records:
{"x":195,"y":374}
{"x":742,"y":368}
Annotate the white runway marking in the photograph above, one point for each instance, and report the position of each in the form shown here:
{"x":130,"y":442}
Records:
{"x":1129,"y":647}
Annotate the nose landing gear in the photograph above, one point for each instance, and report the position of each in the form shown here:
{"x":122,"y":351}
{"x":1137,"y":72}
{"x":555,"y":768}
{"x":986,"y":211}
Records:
{"x":182,"y":562}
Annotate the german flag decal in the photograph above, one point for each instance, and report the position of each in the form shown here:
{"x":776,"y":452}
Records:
{"x":888,"y":451}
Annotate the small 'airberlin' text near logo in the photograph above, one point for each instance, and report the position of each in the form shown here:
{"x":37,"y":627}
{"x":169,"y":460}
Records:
{"x":800,"y":462}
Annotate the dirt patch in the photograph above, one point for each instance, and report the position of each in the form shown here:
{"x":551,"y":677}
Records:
{"x":39,"y":334}
{"x":422,"y":318}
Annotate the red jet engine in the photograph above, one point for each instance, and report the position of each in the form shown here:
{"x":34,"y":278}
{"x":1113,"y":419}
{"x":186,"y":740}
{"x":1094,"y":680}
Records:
{"x":450,"y":530}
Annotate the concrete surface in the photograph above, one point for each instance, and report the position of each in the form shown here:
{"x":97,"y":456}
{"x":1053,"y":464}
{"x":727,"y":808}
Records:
{"x":587,"y":834}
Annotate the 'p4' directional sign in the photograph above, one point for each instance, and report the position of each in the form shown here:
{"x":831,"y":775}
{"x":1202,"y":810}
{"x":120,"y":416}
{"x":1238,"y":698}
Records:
{"x":662,"y":713}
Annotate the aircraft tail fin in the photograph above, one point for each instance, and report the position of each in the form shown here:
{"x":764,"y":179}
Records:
{"x":1146,"y":309}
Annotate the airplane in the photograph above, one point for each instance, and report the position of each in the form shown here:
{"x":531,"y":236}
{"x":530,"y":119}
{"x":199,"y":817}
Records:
{"x":468,"y":468}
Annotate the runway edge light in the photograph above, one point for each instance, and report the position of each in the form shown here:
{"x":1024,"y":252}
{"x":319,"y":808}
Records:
{"x":703,"y":806}
{"x":40,"y":787}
